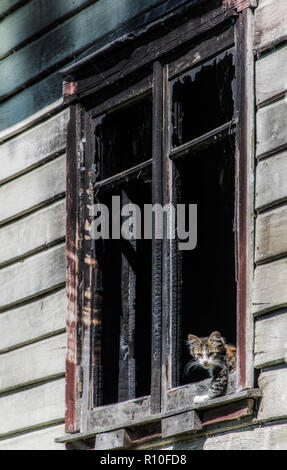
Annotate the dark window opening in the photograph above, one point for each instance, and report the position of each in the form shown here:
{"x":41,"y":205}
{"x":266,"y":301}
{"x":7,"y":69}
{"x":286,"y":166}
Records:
{"x":208,"y":273}
{"x":124,"y":138}
{"x":125,"y":273}
{"x":202,"y":99}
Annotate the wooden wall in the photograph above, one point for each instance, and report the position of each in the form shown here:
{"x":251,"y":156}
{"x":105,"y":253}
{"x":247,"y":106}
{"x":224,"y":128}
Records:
{"x":38,"y":37}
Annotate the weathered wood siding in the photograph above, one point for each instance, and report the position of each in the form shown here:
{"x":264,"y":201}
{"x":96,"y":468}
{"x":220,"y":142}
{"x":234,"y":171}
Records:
{"x":37,"y":39}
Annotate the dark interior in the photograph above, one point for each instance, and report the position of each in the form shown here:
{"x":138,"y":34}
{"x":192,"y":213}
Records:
{"x":118,"y":257}
{"x":208,"y":274}
{"x":124,"y":138}
{"x":202,"y":98}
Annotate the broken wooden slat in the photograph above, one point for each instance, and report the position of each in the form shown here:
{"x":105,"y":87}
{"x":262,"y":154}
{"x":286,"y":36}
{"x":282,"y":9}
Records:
{"x":112,"y":440}
{"x":181,"y":423}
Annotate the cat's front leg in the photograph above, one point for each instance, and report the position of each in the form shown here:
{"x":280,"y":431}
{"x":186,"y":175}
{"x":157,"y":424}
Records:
{"x":200,"y":398}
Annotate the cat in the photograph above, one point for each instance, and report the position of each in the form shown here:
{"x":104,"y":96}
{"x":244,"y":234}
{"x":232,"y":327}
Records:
{"x":211,"y":353}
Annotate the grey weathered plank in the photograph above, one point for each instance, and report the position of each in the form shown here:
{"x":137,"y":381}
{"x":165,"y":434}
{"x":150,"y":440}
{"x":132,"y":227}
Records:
{"x":270,"y":23}
{"x":35,"y":320}
{"x":33,"y":407}
{"x":7,"y":5}
{"x":33,"y":189}
{"x":32,"y":232}
{"x":272,"y":437}
{"x":273,"y":385}
{"x":27,"y":102}
{"x":43,"y":439}
{"x":270,"y":286}
{"x":33,"y":276}
{"x":271,"y":72}
{"x":271,"y":181}
{"x":34,"y":17}
{"x":33,"y":363}
{"x":271,"y":229}
{"x":112,"y":440}
{"x":180,"y":423}
{"x":34,"y":146}
{"x":271,"y":128}
{"x":270,"y":340}
{"x":113,"y":17}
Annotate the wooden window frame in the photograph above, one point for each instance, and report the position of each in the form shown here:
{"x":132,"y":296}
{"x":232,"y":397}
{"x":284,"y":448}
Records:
{"x":89,"y":78}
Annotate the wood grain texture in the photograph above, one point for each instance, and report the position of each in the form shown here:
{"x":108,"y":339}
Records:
{"x":43,"y":439}
{"x":33,"y":363}
{"x":181,"y":423}
{"x":270,"y":286}
{"x":271,"y":437}
{"x":270,"y":239}
{"x":270,"y":340}
{"x":33,"y":18}
{"x":271,"y":128}
{"x":273,"y":385}
{"x":33,"y":276}
{"x":271,"y":72}
{"x":34,"y":146}
{"x":35,"y":320}
{"x":77,"y":33}
{"x":32,"y":189}
{"x":7,"y":5}
{"x":32,"y":233}
{"x":270,"y":23}
{"x":271,"y":181}
{"x":33,"y":407}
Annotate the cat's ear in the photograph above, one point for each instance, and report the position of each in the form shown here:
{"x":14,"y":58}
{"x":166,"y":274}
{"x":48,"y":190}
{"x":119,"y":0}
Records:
{"x":215,"y":338}
{"x":193,"y":340}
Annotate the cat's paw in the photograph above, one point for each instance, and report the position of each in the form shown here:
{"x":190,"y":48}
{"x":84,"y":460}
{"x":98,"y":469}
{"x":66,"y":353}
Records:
{"x":200,"y":399}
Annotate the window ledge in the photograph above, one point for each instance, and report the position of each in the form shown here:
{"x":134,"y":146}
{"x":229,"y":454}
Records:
{"x":188,"y":419}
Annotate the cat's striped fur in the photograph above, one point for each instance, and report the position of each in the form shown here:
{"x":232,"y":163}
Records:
{"x":218,"y":358}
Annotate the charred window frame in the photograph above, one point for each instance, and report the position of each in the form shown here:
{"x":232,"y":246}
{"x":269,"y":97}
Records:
{"x":152,"y":68}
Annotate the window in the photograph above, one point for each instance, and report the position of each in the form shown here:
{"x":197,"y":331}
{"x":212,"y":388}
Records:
{"x":161,"y":122}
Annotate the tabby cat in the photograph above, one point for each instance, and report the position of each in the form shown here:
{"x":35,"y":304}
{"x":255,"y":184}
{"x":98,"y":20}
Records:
{"x":215,"y":356}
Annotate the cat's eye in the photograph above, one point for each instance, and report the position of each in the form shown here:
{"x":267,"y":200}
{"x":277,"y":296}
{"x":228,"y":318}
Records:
{"x":199,"y":355}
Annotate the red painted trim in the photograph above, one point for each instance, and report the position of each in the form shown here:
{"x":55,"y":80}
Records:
{"x":228,"y":412}
{"x":71,"y":275}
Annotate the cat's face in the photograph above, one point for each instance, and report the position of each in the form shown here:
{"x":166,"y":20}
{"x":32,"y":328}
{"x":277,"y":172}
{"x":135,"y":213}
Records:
{"x":207,"y":352}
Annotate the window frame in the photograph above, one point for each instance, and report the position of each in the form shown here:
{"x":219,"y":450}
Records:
{"x":83,"y":84}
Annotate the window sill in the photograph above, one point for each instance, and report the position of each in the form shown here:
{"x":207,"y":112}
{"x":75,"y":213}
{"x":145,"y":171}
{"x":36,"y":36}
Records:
{"x":184,"y":420}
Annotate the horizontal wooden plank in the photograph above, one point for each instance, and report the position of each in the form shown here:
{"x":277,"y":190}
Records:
{"x":33,"y":19}
{"x":88,"y":27}
{"x":34,"y":146}
{"x":271,"y":72}
{"x":271,"y":229}
{"x":180,"y":423}
{"x":30,"y":104}
{"x":33,"y":407}
{"x":271,"y":128}
{"x":112,"y":440}
{"x":33,"y":189}
{"x":268,"y":437}
{"x":8,"y":5}
{"x":273,"y":384}
{"x":270,"y":340}
{"x":37,"y":319}
{"x":33,"y":363}
{"x":270,"y":23}
{"x":33,"y":276}
{"x":270,"y":286}
{"x":43,"y":439}
{"x":32,"y":232}
{"x":271,"y":181}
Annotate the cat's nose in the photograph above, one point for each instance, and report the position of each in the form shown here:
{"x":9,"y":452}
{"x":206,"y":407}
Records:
{"x":205,"y":363}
